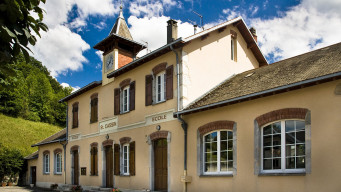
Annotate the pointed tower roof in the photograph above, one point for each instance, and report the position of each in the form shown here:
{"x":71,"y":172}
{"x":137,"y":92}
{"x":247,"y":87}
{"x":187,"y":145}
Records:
{"x":121,"y":28}
{"x":120,"y":36}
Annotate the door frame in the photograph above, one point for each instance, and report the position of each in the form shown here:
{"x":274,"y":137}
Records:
{"x":151,"y":138}
{"x":31,"y":175}
{"x":72,"y":149}
{"x":104,"y":160}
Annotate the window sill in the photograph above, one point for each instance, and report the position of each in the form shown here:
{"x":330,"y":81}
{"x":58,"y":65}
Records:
{"x":46,"y":173}
{"x":124,"y":175}
{"x":159,"y":102}
{"x":282,"y":174}
{"x":57,"y":173}
{"x":74,"y":127}
{"x":93,"y":175}
{"x":218,"y":175}
{"x":122,"y":113}
{"x":91,"y":122}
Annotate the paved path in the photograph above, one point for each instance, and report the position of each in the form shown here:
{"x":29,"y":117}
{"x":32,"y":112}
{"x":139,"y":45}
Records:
{"x":22,"y":189}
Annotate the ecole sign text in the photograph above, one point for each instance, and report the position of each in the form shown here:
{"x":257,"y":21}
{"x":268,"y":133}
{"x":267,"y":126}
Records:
{"x":159,"y":118}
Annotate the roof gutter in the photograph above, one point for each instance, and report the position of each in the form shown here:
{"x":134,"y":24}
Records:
{"x":48,"y":142}
{"x":226,"y":102}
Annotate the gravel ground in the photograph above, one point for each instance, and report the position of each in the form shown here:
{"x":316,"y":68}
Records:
{"x":22,"y":189}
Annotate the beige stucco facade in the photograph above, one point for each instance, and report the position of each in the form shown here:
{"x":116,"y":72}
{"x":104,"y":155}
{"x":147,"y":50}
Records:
{"x":325,"y":120}
{"x":203,"y":63}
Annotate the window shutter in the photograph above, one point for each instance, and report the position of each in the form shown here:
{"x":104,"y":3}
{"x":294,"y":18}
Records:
{"x":149,"y":90}
{"x":132,"y":158}
{"x":132,"y":96}
{"x":75,"y":116}
{"x":116,"y":159}
{"x":95,"y":108}
{"x":95,"y":162}
{"x":117,"y":101}
{"x":169,"y":82}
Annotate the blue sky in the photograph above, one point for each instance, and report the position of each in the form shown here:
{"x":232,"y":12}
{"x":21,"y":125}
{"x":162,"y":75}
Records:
{"x":285,"y":28}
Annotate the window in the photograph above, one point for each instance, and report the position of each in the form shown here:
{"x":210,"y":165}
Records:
{"x":126,"y":159}
{"x":283,"y":147}
{"x":94,"y":108}
{"x":125,"y":100}
{"x":58,"y":163}
{"x":124,"y":97}
{"x":46,"y":163}
{"x":94,"y":160}
{"x":218,"y":152}
{"x":159,"y":85}
{"x":233,"y":45}
{"x":75,"y":115}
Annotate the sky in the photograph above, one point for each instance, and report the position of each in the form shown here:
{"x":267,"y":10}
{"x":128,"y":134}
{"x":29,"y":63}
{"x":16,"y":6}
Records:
{"x":285,"y":28}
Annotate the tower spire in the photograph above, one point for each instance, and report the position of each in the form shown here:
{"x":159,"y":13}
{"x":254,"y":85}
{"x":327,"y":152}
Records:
{"x":121,"y":10}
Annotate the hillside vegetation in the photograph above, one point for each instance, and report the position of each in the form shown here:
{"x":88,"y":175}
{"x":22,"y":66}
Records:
{"x":17,"y":133}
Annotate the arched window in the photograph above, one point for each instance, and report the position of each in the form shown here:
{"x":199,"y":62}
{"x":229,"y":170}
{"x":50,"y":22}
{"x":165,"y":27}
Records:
{"x":94,"y":159}
{"x":282,"y":142}
{"x":218,"y":152}
{"x":58,"y":163}
{"x":217,"y":148}
{"x":46,"y":162}
{"x":283,"y":146}
{"x":94,"y":108}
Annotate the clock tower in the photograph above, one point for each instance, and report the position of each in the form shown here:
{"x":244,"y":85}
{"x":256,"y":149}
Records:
{"x":118,"y":48}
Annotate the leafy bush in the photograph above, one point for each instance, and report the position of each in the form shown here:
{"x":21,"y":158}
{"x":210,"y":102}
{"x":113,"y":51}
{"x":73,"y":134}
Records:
{"x":11,"y":161}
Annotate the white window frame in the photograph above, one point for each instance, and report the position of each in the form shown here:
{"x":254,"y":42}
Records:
{"x":58,"y":163}
{"x":125,"y":149}
{"x":160,"y":90}
{"x":125,"y":94}
{"x":218,"y":172}
{"x":233,"y":49}
{"x":283,"y":154}
{"x":46,"y":163}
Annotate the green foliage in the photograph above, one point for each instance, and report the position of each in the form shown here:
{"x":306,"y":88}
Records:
{"x":11,"y":161}
{"x":31,"y":93}
{"x":17,"y":25}
{"x":20,"y":134}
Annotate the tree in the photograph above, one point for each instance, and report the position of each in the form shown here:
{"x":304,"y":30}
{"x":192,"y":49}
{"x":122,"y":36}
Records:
{"x":16,"y":28}
{"x":11,"y":161}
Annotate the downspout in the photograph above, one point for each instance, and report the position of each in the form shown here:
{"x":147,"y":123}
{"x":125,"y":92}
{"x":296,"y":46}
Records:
{"x":64,"y":144}
{"x":183,"y":122}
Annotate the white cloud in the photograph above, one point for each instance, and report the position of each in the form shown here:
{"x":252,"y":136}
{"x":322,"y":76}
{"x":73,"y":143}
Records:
{"x":307,"y":26}
{"x":142,"y":8}
{"x":100,"y":55}
{"x":154,"y":30}
{"x":67,"y":85}
{"x":61,"y":50}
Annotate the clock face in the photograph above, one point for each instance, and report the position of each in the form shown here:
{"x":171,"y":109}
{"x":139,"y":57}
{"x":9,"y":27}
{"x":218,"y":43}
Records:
{"x":109,"y":62}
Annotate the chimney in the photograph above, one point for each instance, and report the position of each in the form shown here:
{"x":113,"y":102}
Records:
{"x":172,"y":31}
{"x":253,"y":32}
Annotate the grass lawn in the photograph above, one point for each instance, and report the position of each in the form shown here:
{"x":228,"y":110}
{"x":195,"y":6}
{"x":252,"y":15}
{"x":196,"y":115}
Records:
{"x":21,"y":134}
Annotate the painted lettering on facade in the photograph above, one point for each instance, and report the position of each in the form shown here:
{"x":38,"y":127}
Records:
{"x":159,"y":118}
{"x":108,"y":125}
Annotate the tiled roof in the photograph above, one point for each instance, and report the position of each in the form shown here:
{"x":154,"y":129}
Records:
{"x":82,"y":90}
{"x":32,"y":156}
{"x":120,"y":28}
{"x":59,"y":136}
{"x":322,"y":64}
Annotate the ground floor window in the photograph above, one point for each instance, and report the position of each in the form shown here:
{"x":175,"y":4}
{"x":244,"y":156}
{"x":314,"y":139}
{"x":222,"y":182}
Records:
{"x":283,"y":146}
{"x":46,"y":163}
{"x":58,"y":163}
{"x":218,"y":152}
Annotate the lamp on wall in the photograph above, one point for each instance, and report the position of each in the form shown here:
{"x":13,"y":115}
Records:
{"x":158,"y":127}
{"x":107,"y":136}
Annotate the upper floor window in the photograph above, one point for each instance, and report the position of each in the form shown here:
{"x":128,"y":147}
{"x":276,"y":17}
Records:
{"x":94,"y":108}
{"x":283,"y":146}
{"x":75,"y":115}
{"x":233,"y":45}
{"x":124,"y":97}
{"x":94,"y":159}
{"x":46,"y":162}
{"x":159,"y":85}
{"x":58,"y":162}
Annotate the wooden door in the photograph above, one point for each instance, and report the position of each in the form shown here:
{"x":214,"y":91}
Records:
{"x":160,"y":165}
{"x":34,"y":175}
{"x":75,"y":167}
{"x":109,"y":166}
